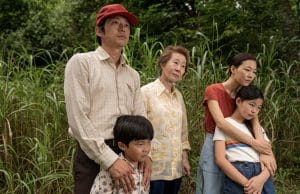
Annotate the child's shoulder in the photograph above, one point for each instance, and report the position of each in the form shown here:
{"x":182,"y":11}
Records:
{"x":103,"y":182}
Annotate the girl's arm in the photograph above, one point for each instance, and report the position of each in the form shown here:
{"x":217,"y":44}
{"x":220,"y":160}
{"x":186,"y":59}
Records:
{"x":259,"y":145}
{"x":256,"y":183}
{"x":226,"y":166}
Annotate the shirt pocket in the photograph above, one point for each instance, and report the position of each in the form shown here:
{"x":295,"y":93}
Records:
{"x":128,"y":94}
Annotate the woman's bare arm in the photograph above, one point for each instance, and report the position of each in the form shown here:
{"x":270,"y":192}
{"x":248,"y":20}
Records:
{"x":266,"y":160}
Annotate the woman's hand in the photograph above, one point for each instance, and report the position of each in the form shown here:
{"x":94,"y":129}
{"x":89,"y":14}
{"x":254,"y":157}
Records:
{"x":262,"y":146}
{"x":186,"y":168}
{"x":269,"y":162}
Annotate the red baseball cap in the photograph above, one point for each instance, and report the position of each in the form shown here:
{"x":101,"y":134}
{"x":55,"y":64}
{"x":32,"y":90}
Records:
{"x":115,"y":9}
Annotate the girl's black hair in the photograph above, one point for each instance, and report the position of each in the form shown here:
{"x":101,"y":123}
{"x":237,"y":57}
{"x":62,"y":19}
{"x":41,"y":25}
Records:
{"x":250,"y":92}
{"x":132,"y":127}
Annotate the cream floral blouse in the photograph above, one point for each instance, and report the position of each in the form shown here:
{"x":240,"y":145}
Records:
{"x":167,"y":113}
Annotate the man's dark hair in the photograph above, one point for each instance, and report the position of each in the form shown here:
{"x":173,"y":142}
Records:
{"x":101,"y":26}
{"x":132,"y":127}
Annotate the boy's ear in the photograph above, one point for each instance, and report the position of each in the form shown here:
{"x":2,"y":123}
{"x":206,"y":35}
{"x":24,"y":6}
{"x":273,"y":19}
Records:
{"x":122,"y":146}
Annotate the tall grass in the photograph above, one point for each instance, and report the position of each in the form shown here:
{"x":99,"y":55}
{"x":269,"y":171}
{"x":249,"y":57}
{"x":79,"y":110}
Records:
{"x":36,"y":151}
{"x":34,"y":156}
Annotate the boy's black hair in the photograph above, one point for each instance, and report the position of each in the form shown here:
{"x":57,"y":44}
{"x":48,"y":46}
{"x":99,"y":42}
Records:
{"x":250,"y":92}
{"x":132,"y":127}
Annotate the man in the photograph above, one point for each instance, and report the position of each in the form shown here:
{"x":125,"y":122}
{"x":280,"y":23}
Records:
{"x":99,"y":86}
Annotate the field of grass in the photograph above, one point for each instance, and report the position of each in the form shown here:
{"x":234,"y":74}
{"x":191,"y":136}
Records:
{"x":36,"y":150}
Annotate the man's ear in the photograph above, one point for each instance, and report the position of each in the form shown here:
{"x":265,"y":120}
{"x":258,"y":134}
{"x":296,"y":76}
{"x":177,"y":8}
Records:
{"x":122,"y":146}
{"x":98,"y":31}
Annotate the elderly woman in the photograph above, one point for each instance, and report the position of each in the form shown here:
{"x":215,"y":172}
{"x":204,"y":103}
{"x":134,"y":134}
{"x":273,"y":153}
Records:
{"x":166,"y":110}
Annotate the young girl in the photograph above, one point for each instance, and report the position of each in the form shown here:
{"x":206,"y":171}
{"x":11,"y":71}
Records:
{"x":239,"y":161}
{"x":219,"y":103}
{"x":133,"y":135}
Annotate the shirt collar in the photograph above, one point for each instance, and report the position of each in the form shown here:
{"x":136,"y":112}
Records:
{"x":105,"y":56}
{"x":121,"y":155}
{"x":160,"y":89}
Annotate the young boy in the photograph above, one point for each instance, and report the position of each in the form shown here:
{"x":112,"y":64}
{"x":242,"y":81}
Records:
{"x":239,"y":161}
{"x":133,"y":135}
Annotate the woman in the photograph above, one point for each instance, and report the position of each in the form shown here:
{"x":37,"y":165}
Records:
{"x":218,"y":104}
{"x":166,"y":110}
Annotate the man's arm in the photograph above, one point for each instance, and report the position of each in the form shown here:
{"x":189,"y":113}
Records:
{"x":78,"y":105}
{"x":139,"y":106}
{"x":121,"y":173}
{"x":146,"y":166}
{"x":259,"y":145}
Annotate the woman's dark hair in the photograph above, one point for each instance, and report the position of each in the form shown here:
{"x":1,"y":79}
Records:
{"x":239,"y":58}
{"x":132,"y":127}
{"x":167,"y":54}
{"x":250,"y":92}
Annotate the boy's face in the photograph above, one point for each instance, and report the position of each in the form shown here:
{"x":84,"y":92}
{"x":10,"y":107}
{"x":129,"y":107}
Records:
{"x":137,"y":150}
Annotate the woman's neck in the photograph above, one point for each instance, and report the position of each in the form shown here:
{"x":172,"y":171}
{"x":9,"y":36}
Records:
{"x":231,"y":87}
{"x":169,"y":85}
